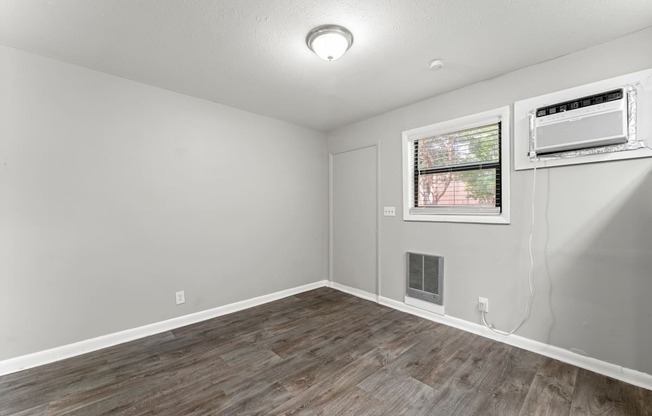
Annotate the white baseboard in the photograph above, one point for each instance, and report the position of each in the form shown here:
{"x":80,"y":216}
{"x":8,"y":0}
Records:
{"x":353,"y":291}
{"x":627,"y":375}
{"x":24,"y":362}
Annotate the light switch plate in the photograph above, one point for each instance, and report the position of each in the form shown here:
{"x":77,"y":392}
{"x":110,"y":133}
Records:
{"x":389,"y":211}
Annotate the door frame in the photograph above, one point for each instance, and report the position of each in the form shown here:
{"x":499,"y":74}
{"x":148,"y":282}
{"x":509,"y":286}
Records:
{"x":374,"y":296}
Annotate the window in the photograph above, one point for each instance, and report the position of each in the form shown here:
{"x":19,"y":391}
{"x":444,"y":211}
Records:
{"x":458,"y":171}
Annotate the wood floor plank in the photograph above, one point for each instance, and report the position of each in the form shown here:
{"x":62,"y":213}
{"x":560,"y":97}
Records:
{"x":428,"y":362}
{"x":353,"y":401}
{"x":320,"y":394}
{"x":460,"y":392}
{"x":551,"y":392}
{"x":397,"y":391}
{"x":599,"y":395}
{"x":321,"y":352}
{"x":508,"y":383}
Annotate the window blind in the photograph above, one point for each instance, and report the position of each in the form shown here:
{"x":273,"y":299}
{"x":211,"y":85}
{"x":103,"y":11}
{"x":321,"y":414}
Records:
{"x":458,"y":172}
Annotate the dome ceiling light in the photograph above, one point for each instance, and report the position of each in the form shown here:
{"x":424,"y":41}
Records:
{"x":329,"y":42}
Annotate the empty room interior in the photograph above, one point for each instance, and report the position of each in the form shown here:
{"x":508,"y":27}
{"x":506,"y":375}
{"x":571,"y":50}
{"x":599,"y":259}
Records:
{"x":220,"y":207}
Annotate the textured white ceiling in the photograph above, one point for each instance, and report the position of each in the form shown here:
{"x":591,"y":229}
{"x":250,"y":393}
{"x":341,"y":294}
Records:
{"x":251,"y":54}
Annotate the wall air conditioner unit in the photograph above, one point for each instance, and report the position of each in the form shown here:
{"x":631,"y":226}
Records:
{"x":584,"y":122}
{"x":597,"y":122}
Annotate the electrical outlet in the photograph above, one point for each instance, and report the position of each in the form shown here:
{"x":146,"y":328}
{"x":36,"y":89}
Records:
{"x":181,"y":297}
{"x":483,"y":304}
{"x":389,"y":211}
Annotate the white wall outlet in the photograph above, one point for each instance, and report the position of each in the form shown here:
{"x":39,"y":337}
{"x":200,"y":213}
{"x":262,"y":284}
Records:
{"x":389,"y":211}
{"x":181,"y":297}
{"x":483,"y":304}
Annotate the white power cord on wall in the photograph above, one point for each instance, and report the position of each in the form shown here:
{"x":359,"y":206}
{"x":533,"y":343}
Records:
{"x":529,"y":302}
{"x":528,"y":308}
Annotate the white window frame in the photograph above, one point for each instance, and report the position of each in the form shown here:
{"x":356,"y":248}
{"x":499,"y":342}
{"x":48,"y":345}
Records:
{"x":476,"y":120}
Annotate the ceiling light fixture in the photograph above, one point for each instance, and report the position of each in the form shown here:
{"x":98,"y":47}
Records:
{"x":329,"y":42}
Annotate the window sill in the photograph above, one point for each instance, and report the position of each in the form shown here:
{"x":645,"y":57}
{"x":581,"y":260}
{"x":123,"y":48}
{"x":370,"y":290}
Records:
{"x":471,"y":219}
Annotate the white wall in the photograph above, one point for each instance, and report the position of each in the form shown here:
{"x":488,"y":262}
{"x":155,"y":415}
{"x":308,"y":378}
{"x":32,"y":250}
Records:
{"x":593,"y":234}
{"x":115,"y":194}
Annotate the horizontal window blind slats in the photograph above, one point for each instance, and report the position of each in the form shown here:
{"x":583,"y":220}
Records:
{"x":442,"y":140}
{"x":452,"y":154}
{"x":494,"y":127}
{"x":480,"y":164}
{"x":459,"y":170}
{"x":465,"y":186}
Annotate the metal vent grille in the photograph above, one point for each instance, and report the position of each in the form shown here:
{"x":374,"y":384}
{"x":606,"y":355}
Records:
{"x":425,"y":277}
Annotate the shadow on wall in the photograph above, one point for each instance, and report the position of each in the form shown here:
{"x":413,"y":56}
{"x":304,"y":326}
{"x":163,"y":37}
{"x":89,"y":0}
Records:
{"x":601,"y":279}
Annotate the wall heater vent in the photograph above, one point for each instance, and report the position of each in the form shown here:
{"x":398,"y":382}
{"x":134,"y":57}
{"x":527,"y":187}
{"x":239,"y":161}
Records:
{"x":425,"y":277}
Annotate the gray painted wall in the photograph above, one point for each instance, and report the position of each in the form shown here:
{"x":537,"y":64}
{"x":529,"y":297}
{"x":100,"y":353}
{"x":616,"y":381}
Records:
{"x":114,"y":195}
{"x":593,"y":233}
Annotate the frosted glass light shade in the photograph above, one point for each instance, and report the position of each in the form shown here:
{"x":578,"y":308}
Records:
{"x":329,"y":42}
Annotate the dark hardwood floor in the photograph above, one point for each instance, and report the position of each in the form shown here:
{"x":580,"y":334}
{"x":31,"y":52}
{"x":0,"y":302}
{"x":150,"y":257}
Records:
{"x":318,"y":353}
